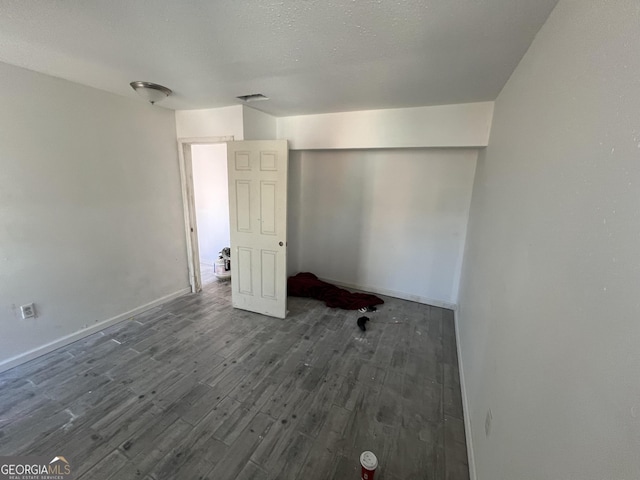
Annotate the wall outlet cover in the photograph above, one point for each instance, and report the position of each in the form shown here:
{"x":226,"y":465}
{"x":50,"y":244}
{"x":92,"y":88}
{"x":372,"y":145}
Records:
{"x":28,"y":311}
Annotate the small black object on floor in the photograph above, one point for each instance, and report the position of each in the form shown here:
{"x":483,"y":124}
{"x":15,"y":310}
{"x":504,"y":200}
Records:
{"x":361,"y":322}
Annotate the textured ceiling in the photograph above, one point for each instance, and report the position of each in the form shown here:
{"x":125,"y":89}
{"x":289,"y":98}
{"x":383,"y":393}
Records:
{"x":306,"y":56}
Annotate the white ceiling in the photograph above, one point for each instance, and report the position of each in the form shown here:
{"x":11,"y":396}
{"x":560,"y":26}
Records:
{"x":307,"y":56}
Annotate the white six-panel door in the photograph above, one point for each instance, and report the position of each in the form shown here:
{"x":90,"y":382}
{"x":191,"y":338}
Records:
{"x":258,"y":218}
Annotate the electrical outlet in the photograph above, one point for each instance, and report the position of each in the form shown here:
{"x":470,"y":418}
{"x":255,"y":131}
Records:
{"x":28,"y":311}
{"x":487,"y":422}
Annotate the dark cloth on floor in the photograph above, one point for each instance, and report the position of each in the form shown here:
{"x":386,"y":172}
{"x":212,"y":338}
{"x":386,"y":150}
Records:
{"x":307,"y":285}
{"x":361,"y":323}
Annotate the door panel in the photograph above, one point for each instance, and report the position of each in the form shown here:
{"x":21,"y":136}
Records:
{"x":243,"y":210}
{"x":258,"y":216}
{"x":268,"y":208}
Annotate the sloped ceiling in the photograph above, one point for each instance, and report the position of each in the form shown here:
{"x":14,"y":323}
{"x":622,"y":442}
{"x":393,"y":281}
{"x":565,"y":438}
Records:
{"x":306,"y":56}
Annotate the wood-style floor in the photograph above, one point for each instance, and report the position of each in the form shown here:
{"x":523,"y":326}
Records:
{"x":198,"y":390}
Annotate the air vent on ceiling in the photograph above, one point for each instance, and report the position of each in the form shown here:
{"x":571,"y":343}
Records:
{"x":254,"y":97}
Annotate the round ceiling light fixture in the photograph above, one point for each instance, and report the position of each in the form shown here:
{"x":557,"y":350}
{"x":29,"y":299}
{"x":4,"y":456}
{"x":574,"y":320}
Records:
{"x":151,"y":92}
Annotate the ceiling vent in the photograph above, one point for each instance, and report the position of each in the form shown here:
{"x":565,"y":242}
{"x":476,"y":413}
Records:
{"x":254,"y":97}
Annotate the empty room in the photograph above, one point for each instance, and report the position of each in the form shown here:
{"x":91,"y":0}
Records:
{"x":320,"y":240}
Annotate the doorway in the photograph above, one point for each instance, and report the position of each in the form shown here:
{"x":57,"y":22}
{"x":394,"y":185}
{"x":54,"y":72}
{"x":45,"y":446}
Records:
{"x":211,"y":197}
{"x":186,"y":149}
{"x":257,"y":190}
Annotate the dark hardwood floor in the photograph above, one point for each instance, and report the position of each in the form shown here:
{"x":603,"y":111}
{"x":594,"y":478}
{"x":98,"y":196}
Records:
{"x":198,"y":390}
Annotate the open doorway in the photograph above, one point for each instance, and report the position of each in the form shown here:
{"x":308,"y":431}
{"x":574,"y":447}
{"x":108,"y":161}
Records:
{"x":256,"y":175}
{"x":186,"y":148}
{"x":211,"y":198}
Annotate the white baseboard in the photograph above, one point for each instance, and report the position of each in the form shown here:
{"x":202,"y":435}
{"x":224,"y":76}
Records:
{"x":393,"y":293}
{"x":465,"y":404}
{"x":73,"y":337}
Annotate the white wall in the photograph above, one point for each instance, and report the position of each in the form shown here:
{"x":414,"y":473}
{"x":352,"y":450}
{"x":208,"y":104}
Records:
{"x":463,"y":125}
{"x":391,"y":221}
{"x":258,"y":125}
{"x":549,"y":316}
{"x":91,"y":222}
{"x":294,"y":210}
{"x":211,"y":122}
{"x":211,"y":189}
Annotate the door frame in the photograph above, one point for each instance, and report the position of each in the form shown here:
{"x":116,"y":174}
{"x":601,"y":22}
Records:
{"x":189,"y":204}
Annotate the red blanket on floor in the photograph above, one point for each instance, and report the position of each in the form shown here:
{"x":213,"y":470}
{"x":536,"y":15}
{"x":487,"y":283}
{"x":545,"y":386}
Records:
{"x":307,"y":285}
